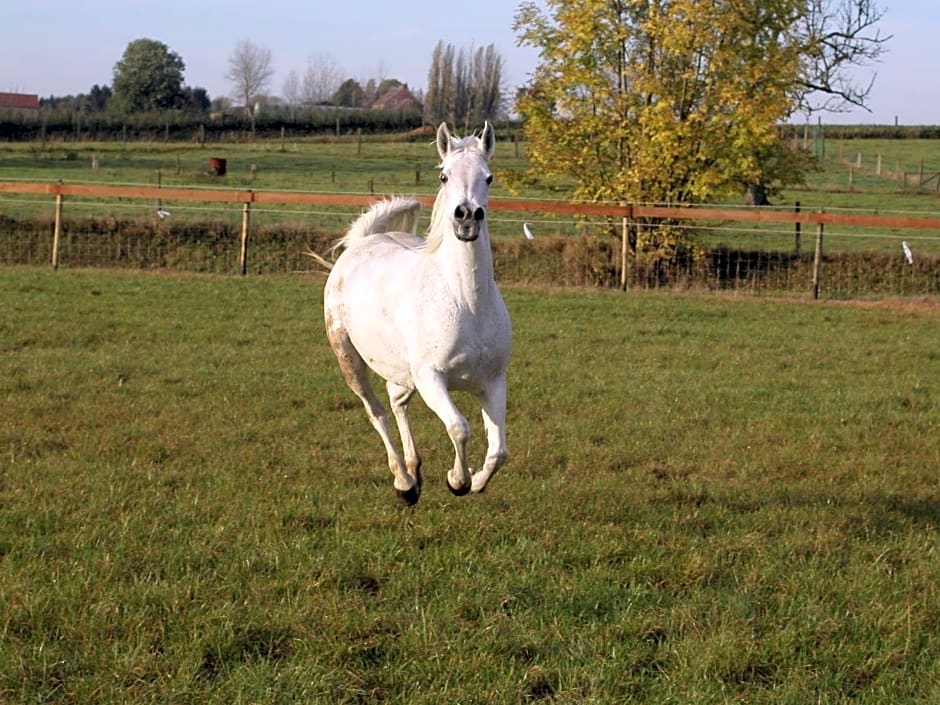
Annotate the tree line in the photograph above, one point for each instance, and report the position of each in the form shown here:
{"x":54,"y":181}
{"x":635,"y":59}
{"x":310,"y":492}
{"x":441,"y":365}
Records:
{"x":181,"y":126}
{"x":465,"y":85}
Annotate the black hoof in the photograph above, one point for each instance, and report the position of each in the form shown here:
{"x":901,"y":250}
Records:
{"x":408,"y":497}
{"x":459,"y":491}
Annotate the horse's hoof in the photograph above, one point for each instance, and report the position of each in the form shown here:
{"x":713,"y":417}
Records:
{"x":458,"y":491}
{"x":409,"y":497}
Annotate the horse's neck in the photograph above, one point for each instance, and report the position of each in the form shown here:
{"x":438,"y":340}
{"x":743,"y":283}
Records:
{"x":467,"y":268}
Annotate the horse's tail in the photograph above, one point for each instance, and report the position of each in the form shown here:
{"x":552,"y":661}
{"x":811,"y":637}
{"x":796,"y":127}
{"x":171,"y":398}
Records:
{"x":389,"y":216}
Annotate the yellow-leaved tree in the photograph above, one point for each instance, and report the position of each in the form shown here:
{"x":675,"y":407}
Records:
{"x":678,"y":101}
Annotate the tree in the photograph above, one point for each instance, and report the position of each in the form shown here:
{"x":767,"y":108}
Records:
{"x":321,"y":79}
{"x":197,"y":99}
{"x":463,"y":87}
{"x":148,"y":77}
{"x":349,"y":94}
{"x":290,"y":90}
{"x":680,"y":100}
{"x":438,"y":103}
{"x":249,"y":71}
{"x":98,"y":98}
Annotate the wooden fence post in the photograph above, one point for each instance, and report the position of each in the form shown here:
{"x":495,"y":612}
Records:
{"x":57,"y":231}
{"x":624,"y":247}
{"x":817,"y":259}
{"x":243,"y":250}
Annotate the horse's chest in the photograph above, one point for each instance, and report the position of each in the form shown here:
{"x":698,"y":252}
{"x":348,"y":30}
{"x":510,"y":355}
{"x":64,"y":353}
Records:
{"x":472,"y":351}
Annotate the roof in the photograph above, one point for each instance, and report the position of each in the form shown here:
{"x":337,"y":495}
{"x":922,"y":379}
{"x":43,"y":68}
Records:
{"x":19,"y":101}
{"x":398,"y":98}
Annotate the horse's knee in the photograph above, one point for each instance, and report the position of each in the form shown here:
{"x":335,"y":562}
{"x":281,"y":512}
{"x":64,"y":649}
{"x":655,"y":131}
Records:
{"x":459,"y":431}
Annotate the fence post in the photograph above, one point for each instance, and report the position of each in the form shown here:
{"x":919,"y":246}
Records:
{"x":243,"y":250}
{"x":57,"y":231}
{"x":817,"y":259}
{"x":797,"y":232}
{"x":624,"y":247}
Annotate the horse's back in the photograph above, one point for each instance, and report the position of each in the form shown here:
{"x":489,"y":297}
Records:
{"x":370,"y":295}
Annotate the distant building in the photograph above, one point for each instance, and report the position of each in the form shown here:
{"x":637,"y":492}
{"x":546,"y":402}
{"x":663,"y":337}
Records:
{"x":24,"y":103}
{"x":397,"y":99}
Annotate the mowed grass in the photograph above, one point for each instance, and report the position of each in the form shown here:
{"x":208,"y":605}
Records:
{"x":708,"y":500}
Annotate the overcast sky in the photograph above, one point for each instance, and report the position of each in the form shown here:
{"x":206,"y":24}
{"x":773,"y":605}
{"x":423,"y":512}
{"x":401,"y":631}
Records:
{"x":55,"y":47}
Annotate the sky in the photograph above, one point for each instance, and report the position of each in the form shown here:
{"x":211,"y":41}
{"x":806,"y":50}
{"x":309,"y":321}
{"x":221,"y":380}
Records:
{"x":64,"y":47}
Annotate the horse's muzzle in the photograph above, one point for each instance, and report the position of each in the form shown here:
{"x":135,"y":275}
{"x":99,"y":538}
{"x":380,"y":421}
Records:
{"x":467,"y":222}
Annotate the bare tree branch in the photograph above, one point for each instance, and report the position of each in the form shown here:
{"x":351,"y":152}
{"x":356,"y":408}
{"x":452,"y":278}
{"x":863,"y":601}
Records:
{"x":250,"y":70}
{"x":839,"y":37}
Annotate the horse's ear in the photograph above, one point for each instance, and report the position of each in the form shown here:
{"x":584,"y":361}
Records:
{"x":488,"y":140}
{"x":443,"y":140}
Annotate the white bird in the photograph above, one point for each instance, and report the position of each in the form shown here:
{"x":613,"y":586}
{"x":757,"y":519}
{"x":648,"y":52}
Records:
{"x":528,"y":233}
{"x":162,"y":213}
{"x":907,"y":252}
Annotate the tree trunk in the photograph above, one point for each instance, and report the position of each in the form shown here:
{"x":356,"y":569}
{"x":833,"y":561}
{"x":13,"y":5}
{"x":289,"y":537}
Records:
{"x":756,"y":195}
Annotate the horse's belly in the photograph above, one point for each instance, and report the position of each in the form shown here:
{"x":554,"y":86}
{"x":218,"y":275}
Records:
{"x":383,"y":352}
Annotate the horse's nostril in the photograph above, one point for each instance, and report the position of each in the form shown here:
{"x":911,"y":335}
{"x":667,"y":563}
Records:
{"x":461,"y":213}
{"x":479,"y":214}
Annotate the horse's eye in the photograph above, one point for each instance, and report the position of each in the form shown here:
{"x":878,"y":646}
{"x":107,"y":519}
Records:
{"x":489,"y":179}
{"x":443,"y":178}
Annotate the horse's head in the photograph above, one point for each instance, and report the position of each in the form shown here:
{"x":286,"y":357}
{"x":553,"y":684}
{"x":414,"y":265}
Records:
{"x":465,"y":179}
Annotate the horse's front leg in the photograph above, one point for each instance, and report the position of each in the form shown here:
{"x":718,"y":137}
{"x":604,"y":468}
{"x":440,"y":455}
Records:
{"x":433,"y":389}
{"x":493,"y":400}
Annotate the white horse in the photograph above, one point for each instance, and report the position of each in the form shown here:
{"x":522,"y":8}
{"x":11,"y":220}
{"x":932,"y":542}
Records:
{"x":426,"y":314}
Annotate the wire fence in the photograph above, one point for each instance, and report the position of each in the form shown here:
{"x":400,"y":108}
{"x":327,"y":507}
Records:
{"x":750,"y":250}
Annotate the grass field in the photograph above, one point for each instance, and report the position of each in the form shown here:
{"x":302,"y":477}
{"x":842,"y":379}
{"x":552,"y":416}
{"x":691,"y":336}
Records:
{"x":708,"y":500}
{"x":385,"y":167}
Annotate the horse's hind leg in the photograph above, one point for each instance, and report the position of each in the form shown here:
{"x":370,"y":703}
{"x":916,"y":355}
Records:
{"x":356,"y":374}
{"x":399,"y":397}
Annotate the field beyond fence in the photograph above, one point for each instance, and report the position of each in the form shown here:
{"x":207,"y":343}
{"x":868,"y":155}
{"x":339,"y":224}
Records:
{"x":757,"y":250}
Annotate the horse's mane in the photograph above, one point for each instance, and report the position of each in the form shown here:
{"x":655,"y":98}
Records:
{"x":439,"y":221}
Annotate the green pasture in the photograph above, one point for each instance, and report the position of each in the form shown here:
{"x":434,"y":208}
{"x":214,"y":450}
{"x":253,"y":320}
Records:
{"x":383,"y":167}
{"x":342,"y":165}
{"x":345,"y":165}
{"x":708,"y":500}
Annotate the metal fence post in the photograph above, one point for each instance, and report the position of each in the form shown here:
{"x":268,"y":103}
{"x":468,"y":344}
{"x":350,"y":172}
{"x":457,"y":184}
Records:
{"x":797,"y":232}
